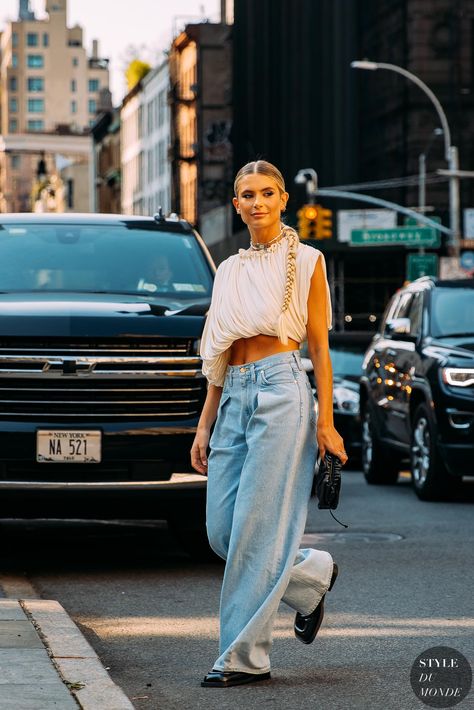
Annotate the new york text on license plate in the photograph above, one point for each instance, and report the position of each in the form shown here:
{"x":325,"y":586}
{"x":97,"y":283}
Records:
{"x":68,"y":446}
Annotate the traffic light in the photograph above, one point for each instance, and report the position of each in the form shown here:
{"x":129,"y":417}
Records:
{"x":314,"y":222}
{"x":307,"y":221}
{"x":324,"y":226}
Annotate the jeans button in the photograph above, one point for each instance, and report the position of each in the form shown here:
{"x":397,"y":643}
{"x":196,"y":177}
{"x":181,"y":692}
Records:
{"x":243,"y":369}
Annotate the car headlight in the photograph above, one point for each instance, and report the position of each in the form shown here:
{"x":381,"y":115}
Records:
{"x":345,"y":399}
{"x":196,"y":347}
{"x":458,"y":376}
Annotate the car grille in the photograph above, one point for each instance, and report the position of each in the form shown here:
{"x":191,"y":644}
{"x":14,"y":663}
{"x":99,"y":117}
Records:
{"x":160,"y":379}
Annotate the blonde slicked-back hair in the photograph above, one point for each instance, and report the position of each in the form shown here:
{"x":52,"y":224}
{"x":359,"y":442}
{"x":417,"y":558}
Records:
{"x":263,"y":167}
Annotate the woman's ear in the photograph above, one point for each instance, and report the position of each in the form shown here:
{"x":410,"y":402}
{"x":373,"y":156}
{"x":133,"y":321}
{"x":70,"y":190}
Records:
{"x":235,"y":202}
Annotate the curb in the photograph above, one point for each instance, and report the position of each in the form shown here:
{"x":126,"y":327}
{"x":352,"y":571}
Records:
{"x":76,"y":661}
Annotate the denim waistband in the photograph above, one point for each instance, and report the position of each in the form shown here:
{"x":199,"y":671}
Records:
{"x":254,"y":367}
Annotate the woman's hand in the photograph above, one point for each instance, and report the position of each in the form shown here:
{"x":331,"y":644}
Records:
{"x":199,"y":451}
{"x":329,"y":440}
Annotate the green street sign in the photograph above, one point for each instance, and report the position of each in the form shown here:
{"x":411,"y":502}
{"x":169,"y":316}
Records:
{"x":409,"y":236}
{"x":421,"y":265}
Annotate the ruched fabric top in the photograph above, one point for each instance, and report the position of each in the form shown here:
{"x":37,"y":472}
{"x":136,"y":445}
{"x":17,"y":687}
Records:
{"x":247,"y":299}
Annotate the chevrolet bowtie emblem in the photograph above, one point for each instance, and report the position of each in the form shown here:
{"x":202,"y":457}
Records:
{"x":70,"y":366}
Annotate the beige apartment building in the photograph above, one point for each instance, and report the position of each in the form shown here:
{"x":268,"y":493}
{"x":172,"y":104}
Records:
{"x":48,"y":85}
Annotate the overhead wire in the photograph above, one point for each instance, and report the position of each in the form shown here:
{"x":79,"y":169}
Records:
{"x":407,"y":181}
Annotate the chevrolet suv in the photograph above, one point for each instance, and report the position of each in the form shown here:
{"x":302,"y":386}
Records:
{"x":417,"y":388}
{"x":100,"y":376}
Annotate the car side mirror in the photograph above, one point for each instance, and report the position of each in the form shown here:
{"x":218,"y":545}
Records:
{"x":399,"y":329}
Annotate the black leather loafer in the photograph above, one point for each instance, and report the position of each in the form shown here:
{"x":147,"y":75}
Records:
{"x":225,"y":679}
{"x":306,"y":627}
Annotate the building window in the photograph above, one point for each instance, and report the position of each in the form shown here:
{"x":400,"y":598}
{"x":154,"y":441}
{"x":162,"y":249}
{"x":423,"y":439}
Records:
{"x":161,"y":107}
{"x":93,"y":85}
{"x":14,"y":60}
{"x":13,"y":84}
{"x":73,"y":85}
{"x":75,"y":61}
{"x":14,"y":39}
{"x":91,"y":122}
{"x":13,"y":105}
{"x":149,"y":161}
{"x":15,"y":161}
{"x":70,"y":193}
{"x":45,"y":39}
{"x":73,"y":106}
{"x":35,"y":125}
{"x":12,"y":125}
{"x":35,"y":83}
{"x":31,"y":39}
{"x":35,"y":105}
{"x":92,"y":105}
{"x":35,"y":61}
{"x":161,"y":157}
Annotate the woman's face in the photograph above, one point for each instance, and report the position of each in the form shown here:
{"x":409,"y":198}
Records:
{"x":259,"y":201}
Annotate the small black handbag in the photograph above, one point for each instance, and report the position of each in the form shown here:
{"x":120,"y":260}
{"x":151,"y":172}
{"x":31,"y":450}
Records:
{"x":328,"y":483}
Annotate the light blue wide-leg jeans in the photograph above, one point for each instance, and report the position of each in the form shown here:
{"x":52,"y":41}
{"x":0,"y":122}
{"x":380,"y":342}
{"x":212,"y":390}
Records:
{"x":260,"y":470}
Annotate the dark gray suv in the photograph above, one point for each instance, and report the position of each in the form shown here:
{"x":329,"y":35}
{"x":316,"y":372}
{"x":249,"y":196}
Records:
{"x":417,"y":388}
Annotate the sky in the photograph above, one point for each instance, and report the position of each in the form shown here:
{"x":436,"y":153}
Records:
{"x":117,"y":24}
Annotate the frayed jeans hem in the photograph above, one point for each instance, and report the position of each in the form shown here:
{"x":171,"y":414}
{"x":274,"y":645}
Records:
{"x":244,"y":670}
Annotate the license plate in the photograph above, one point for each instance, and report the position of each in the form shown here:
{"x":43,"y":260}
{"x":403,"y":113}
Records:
{"x":71,"y":446}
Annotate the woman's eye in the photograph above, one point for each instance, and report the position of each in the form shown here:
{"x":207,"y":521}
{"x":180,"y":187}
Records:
{"x":268,"y":194}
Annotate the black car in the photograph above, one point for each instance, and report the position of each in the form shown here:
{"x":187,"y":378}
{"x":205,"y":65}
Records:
{"x":101,"y":386}
{"x":417,"y":389}
{"x":347,"y":349}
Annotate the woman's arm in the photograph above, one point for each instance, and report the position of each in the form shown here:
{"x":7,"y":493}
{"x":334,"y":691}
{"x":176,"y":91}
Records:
{"x":206,"y":420}
{"x":318,"y":348}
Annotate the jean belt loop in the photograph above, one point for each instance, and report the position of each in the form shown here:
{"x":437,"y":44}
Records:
{"x":297,"y":359}
{"x":254,"y":373}
{"x":231,"y":377}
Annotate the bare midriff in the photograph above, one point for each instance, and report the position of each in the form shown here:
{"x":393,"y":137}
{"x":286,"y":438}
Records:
{"x":258,"y":346}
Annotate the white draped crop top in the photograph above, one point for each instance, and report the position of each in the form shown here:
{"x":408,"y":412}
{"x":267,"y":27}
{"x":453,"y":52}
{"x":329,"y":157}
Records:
{"x":247,"y":299}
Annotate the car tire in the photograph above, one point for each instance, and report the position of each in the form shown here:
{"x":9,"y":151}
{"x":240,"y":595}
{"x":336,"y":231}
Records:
{"x":430,"y":478}
{"x":379,"y":464}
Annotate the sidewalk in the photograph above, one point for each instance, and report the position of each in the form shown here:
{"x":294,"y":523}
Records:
{"x":46,"y":663}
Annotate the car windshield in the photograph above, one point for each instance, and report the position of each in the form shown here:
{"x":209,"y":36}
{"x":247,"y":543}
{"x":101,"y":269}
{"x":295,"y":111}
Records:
{"x":452,"y":312}
{"x":124,"y":258}
{"x":345,"y":359}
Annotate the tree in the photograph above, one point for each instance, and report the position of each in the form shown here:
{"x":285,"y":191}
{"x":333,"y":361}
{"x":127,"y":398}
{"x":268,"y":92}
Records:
{"x":135,"y":71}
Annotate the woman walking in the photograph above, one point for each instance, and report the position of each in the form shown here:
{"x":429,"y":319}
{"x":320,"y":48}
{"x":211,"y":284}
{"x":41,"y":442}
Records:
{"x":266,"y":300}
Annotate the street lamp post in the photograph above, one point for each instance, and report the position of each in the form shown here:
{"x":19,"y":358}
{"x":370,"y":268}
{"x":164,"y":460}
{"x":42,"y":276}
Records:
{"x":308,"y":177}
{"x":450,"y":151}
{"x":422,"y":170}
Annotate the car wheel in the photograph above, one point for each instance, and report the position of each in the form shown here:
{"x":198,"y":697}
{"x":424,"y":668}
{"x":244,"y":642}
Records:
{"x":429,"y":475}
{"x":380,"y":466}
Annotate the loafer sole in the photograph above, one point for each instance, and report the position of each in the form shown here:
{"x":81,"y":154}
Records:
{"x":231,"y":678}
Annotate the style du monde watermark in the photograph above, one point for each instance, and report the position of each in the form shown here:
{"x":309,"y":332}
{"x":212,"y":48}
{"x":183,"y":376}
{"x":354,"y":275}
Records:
{"x":441,"y":677}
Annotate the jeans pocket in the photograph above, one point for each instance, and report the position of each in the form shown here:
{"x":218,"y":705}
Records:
{"x":225,"y":396}
{"x":218,"y":423}
{"x":278,"y":374}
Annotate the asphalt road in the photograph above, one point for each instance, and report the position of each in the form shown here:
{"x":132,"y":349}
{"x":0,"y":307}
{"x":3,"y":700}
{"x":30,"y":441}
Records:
{"x":150,"y":611}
